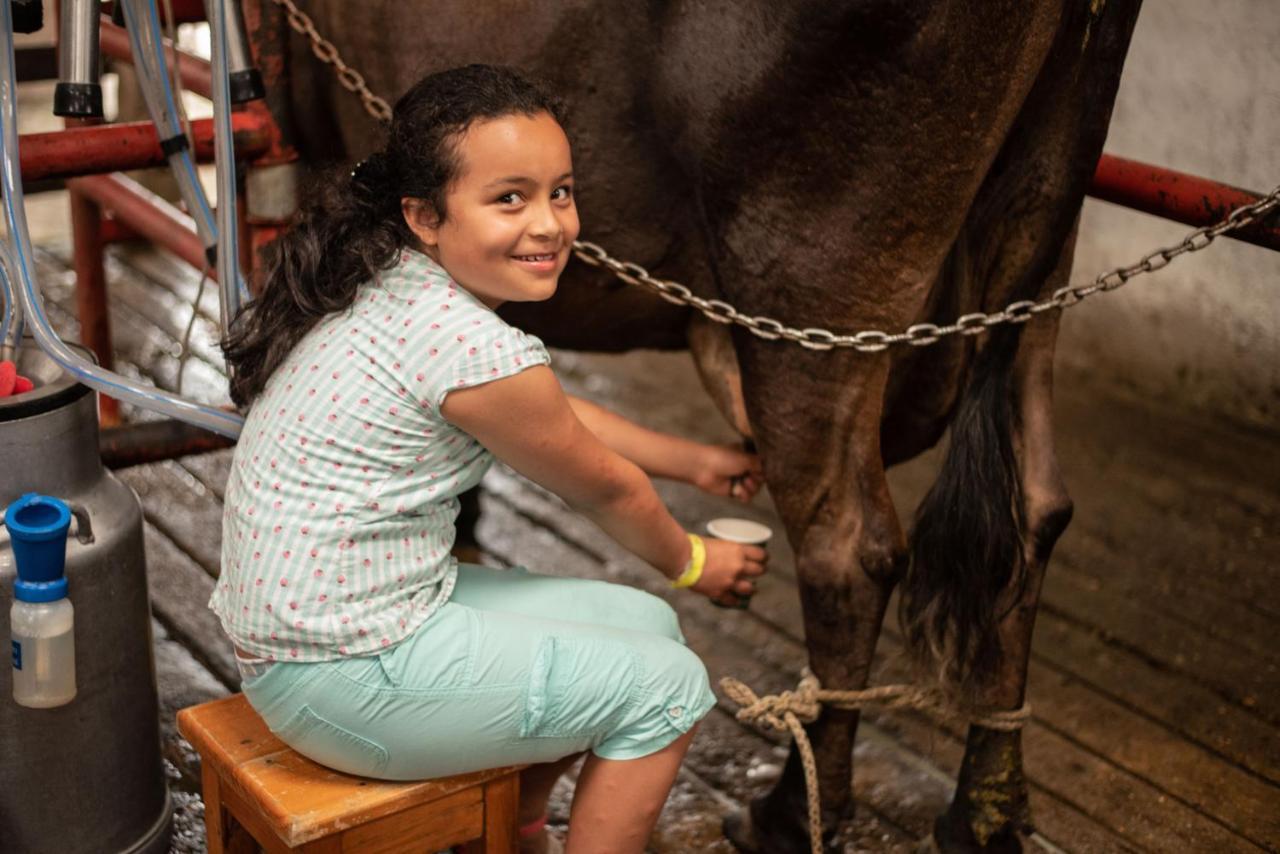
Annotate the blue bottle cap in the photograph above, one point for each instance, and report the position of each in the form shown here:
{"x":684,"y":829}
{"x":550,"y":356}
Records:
{"x":39,"y":591}
{"x":38,"y":527}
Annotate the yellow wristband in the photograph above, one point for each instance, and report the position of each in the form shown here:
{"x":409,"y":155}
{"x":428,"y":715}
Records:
{"x":697,"y":560}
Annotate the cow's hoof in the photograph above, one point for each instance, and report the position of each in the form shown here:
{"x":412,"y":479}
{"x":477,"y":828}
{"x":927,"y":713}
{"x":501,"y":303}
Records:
{"x":927,"y":846}
{"x":756,"y":837}
{"x":737,"y":828}
{"x":952,"y":837}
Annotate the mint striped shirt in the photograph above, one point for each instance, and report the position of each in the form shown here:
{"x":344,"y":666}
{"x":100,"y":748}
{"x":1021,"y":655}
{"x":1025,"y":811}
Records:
{"x":341,"y":501}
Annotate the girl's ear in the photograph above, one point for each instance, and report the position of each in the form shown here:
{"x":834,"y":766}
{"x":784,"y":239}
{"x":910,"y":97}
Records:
{"x":422,"y":220}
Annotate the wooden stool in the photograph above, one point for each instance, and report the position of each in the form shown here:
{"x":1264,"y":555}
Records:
{"x":256,"y":786}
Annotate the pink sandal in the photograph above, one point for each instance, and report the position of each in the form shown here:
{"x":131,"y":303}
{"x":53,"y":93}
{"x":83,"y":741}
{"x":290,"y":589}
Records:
{"x":533,"y":827}
{"x":538,"y":825}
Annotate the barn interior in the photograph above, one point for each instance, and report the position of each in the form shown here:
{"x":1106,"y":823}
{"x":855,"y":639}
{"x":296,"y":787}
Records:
{"x":1155,"y":676}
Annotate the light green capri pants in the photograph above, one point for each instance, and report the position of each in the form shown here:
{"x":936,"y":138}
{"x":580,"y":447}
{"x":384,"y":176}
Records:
{"x":515,"y":668}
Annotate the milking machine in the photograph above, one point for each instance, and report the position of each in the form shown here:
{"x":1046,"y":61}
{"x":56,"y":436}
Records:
{"x":80,"y":767}
{"x":78,"y":93}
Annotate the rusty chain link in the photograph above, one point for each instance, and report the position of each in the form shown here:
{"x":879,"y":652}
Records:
{"x":867,"y":341}
{"x":324,"y":50}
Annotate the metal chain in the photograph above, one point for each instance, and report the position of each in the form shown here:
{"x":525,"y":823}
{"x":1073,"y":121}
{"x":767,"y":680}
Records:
{"x":351,"y":80}
{"x":921,"y":334}
{"x":867,"y":341}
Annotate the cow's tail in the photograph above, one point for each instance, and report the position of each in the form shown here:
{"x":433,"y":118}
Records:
{"x":966,"y":544}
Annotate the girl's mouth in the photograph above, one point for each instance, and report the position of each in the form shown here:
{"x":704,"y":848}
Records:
{"x":537,"y":263}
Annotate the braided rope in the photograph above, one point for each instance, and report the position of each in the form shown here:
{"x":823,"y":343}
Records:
{"x":790,"y":710}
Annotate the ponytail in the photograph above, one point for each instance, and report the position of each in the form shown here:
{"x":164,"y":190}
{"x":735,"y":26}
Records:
{"x":338,"y":240}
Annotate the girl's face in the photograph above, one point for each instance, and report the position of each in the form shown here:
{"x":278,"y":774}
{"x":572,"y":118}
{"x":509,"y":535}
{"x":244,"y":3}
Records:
{"x":511,"y":218}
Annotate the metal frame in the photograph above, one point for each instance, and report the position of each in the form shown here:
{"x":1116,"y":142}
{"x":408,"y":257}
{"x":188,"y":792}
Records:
{"x":106,"y":208}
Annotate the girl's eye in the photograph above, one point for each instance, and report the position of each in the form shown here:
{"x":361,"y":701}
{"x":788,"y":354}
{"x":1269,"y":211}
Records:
{"x":509,"y":198}
{"x":562,"y":193}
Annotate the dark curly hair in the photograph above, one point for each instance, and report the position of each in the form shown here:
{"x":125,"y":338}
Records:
{"x":350,"y":226}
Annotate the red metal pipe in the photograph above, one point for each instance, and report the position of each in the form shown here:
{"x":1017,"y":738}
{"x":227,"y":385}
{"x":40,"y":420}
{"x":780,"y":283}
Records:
{"x":91,"y":293}
{"x":192,"y":70}
{"x":1180,"y":197}
{"x":184,"y":11}
{"x":146,"y":213}
{"x":91,"y":282}
{"x":115,"y":231}
{"x":152,"y":441}
{"x":269,"y":37}
{"x":130,"y":145}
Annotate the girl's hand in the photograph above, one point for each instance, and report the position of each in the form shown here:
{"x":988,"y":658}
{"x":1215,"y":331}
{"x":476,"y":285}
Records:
{"x":730,"y":573}
{"x":728,"y":470}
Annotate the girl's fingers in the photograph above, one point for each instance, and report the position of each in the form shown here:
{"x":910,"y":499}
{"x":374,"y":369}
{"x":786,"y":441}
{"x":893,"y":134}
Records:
{"x":737,"y":488}
{"x":744,"y":486}
{"x":744,"y":588}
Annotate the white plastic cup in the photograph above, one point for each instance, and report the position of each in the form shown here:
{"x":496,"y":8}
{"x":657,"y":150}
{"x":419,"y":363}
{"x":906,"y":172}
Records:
{"x":744,"y":531}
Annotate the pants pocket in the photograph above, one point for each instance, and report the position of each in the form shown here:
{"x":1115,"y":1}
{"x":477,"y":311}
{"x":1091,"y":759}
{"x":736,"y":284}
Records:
{"x":579,"y":686}
{"x":331,"y":745}
{"x":452,"y":636}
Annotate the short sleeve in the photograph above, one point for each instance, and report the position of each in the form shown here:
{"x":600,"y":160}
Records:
{"x":497,"y":351}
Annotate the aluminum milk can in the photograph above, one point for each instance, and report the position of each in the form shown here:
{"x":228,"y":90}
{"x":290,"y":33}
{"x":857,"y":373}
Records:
{"x":85,"y":776}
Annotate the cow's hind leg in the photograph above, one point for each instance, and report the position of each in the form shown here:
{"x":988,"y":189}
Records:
{"x":974,"y":585}
{"x":990,"y":812}
{"x":850,"y":551}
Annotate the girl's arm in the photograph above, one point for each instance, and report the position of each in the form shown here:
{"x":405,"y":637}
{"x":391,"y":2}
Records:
{"x":527,"y":421}
{"x":714,"y":468}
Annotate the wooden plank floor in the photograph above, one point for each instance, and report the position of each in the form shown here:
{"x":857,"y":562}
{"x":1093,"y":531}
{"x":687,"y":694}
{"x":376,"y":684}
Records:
{"x":1154,"y":671}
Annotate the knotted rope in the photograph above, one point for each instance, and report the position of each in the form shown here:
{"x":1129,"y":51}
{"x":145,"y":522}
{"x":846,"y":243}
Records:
{"x":790,"y":710}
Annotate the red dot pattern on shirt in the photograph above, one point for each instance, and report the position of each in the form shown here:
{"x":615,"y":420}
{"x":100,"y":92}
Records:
{"x":481,"y":359}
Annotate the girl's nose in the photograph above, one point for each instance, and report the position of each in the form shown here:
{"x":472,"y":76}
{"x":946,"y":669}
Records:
{"x":546,"y":223}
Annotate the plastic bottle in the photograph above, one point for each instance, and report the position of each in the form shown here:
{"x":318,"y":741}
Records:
{"x":42,"y":620}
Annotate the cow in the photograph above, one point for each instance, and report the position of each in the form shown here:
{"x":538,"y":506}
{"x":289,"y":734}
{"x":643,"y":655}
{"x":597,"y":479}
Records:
{"x":845,"y":164}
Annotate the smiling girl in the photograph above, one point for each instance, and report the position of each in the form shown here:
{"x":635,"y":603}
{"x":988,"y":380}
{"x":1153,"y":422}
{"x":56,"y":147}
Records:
{"x":382,"y":385}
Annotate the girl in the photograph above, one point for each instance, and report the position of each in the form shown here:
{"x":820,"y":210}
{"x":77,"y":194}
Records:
{"x":382,"y":384}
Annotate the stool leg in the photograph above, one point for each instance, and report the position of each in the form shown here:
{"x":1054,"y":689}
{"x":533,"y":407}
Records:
{"x":224,"y":834}
{"x":239,"y":839}
{"x":501,"y":805}
{"x":216,"y":818}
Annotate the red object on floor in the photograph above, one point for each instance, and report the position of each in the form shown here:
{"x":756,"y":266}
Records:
{"x":22,"y":385}
{"x":8,"y":376}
